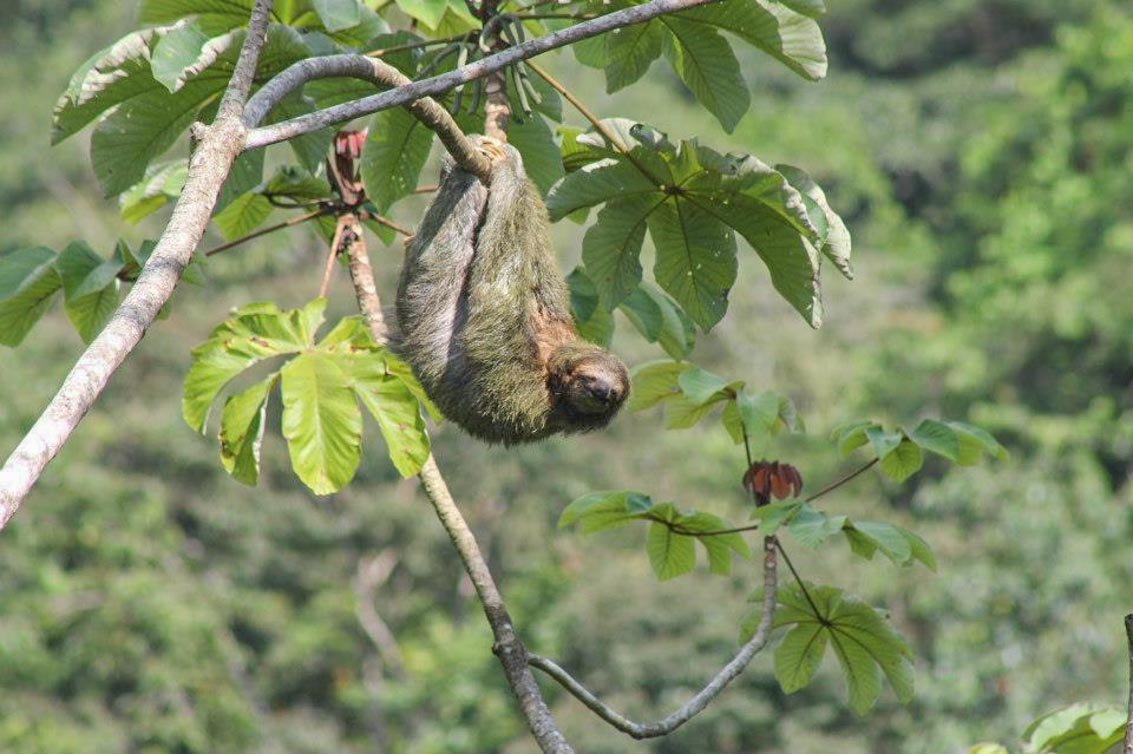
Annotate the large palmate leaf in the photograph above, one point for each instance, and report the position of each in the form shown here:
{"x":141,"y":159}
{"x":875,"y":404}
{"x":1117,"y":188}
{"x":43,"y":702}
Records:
{"x":693,"y":201}
{"x":321,"y":384}
{"x":253,"y":333}
{"x":865,"y":644}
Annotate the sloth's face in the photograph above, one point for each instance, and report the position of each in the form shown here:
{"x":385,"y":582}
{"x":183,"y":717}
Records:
{"x":597,"y":386}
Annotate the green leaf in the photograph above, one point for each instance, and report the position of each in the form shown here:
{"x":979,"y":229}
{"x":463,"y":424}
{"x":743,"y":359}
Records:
{"x":90,"y":288}
{"x":428,"y":12}
{"x":670,"y":554}
{"x":112,"y":75}
{"x":253,"y":333}
{"x":704,"y":61}
{"x":242,"y":431}
{"x":186,"y":50}
{"x":243,"y":214}
{"x":1077,"y":729}
{"x":296,"y":184}
{"x":866,"y":537}
{"x":395,"y":153}
{"x":812,"y":527}
{"x":126,"y":141}
{"x":28,"y":281}
{"x":597,"y":183}
{"x":696,"y":259}
{"x":904,"y":461}
{"x":780,"y":29}
{"x":654,"y":383}
{"x":973,"y":441}
{"x":701,"y":386}
{"x":321,"y":421}
{"x":598,"y":511}
{"x":629,"y":52}
{"x":836,"y":245}
{"x":864,"y":643}
{"x":246,"y":174}
{"x":772,"y":516}
{"x":849,"y":437}
{"x":798,"y":656}
{"x":882,"y":442}
{"x":161,"y":185}
{"x":611,"y":248}
{"x":394,"y":406}
{"x":595,"y":323}
{"x":718,"y":547}
{"x":541,"y":157}
{"x":660,"y":320}
{"x":337,"y":15}
{"x":937,"y":437}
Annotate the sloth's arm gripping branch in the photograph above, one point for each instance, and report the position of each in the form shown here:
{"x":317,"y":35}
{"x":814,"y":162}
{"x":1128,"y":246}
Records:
{"x":701,"y":699}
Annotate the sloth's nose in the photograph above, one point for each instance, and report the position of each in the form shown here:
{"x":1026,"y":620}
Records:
{"x":605,"y":393}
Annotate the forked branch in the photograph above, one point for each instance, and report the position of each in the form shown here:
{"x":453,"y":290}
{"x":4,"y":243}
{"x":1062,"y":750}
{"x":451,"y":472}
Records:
{"x":701,"y":699}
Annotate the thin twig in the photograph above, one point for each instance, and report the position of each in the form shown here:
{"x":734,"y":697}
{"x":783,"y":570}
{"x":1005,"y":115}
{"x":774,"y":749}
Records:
{"x":701,"y":699}
{"x":414,"y":46}
{"x":838,"y":483}
{"x":442,"y":83}
{"x":383,"y":220}
{"x":608,"y":133}
{"x":795,"y":574}
{"x":216,"y":147}
{"x":332,"y":253}
{"x":290,"y":223}
{"x":372,"y":573}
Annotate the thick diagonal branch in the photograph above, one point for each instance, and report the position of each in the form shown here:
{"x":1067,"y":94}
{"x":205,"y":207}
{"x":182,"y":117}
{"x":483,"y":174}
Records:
{"x":217,"y":148}
{"x":403,"y":95}
{"x":508,"y":647}
{"x":697,"y":703}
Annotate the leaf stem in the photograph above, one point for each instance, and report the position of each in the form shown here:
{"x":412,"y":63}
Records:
{"x":836,"y":484}
{"x":798,"y":579}
{"x":271,"y":229}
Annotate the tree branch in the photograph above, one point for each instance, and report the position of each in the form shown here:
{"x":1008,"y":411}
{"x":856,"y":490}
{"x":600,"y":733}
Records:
{"x":704,"y":697}
{"x":405,"y":94}
{"x":435,"y":117}
{"x":209,"y":165}
{"x":508,"y":647}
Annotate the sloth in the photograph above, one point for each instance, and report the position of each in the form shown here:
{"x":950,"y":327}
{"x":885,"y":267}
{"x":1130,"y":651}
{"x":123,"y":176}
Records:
{"x":485,"y":318}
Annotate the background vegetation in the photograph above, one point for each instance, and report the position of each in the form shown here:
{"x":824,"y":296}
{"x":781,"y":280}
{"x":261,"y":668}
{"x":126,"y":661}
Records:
{"x":982,"y":154}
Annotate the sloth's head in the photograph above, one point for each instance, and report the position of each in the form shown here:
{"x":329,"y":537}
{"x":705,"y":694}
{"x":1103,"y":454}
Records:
{"x":588,"y":385}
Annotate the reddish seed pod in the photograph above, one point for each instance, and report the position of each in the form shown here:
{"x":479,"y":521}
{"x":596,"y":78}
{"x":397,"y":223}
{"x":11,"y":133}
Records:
{"x":767,"y":479}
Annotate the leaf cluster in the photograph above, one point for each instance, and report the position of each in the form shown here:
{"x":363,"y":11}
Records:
{"x":321,"y":384}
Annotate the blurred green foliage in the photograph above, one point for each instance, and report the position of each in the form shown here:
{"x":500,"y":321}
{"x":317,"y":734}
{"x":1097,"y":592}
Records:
{"x":980,"y":153}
